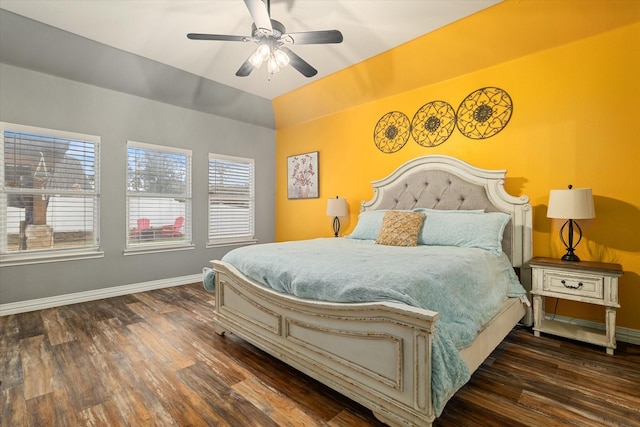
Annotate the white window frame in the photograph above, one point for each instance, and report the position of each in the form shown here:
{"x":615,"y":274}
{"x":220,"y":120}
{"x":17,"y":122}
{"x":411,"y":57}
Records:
{"x":135,"y":248}
{"x":215,"y":239}
{"x":53,"y":254}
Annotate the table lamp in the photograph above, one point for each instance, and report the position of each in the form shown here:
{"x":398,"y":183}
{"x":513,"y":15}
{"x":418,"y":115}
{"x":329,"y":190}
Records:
{"x":571,"y":204}
{"x":336,"y":208}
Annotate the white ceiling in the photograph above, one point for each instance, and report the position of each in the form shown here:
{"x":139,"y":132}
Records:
{"x":156,"y":29}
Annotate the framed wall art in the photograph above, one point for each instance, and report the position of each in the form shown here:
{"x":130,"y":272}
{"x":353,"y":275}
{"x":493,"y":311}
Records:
{"x":302,"y":176}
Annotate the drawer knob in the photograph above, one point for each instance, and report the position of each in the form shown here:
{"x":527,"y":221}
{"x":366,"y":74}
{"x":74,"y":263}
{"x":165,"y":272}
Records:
{"x":566,"y":285}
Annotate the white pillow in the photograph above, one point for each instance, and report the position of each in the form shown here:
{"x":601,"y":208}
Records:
{"x":472,"y":230}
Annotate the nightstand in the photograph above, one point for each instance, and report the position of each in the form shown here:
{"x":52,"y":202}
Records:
{"x":584,"y":281}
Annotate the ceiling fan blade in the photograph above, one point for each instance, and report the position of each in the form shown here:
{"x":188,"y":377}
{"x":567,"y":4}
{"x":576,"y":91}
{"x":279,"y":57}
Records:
{"x":259,"y":13}
{"x":220,"y":37}
{"x":245,"y":69}
{"x":315,"y":37}
{"x":299,"y":64}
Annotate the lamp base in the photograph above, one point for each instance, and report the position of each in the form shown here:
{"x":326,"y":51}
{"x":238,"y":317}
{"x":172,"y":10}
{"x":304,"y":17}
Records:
{"x":336,"y":226}
{"x":570,"y":246}
{"x":570,"y":257}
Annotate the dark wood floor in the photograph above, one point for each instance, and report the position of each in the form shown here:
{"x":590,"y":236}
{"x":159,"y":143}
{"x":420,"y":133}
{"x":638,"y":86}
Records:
{"x":152,"y":359}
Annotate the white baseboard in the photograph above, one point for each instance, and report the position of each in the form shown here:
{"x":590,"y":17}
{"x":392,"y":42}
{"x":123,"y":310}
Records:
{"x":628,"y":335}
{"x":60,"y":300}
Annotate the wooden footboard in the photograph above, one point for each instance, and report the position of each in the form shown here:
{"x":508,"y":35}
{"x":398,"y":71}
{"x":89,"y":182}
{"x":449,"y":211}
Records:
{"x":378,"y":354}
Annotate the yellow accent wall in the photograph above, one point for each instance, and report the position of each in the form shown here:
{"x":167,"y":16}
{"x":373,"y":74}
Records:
{"x":571,"y":69}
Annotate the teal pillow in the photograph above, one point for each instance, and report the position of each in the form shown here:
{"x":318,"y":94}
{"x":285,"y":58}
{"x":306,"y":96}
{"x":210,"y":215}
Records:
{"x":370,"y":222}
{"x":368,"y":226}
{"x":208,"y":279}
{"x":471,"y":230}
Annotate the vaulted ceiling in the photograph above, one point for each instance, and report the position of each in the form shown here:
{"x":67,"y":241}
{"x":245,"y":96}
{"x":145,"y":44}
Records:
{"x":157,"y":30}
{"x":140,"y":46}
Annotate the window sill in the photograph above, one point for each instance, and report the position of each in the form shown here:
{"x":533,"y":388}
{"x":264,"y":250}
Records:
{"x":10,"y":260}
{"x":222,"y":243}
{"x":153,"y":249}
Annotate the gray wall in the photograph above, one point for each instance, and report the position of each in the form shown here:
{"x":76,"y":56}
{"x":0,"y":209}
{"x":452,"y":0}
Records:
{"x":36,"y":46}
{"x":37,"y":99}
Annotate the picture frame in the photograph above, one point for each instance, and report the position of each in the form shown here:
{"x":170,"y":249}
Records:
{"x":302,"y":176}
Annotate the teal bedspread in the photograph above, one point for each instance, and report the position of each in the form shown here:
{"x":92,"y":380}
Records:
{"x":467,"y":286}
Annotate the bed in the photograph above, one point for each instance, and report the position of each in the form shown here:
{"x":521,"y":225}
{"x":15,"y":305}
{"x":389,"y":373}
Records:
{"x":333,"y":341}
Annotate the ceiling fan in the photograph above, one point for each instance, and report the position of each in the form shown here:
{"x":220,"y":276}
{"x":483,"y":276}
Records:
{"x":271,"y":37}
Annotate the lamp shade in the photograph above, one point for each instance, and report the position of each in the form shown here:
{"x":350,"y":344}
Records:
{"x":337,"y":207}
{"x":573,"y":203}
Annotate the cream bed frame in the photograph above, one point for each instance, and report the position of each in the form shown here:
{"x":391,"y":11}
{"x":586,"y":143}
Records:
{"x":334,"y":343}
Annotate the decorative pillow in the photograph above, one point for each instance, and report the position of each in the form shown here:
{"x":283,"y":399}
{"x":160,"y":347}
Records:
{"x":208,"y":279}
{"x":470,"y":230}
{"x":400,"y":228}
{"x":368,"y":225}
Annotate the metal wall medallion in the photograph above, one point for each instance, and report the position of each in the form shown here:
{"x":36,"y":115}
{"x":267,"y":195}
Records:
{"x":392,"y":132}
{"x":433,"y":123}
{"x":484,"y":113}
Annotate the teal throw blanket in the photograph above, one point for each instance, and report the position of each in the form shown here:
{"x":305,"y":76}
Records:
{"x":467,"y":286}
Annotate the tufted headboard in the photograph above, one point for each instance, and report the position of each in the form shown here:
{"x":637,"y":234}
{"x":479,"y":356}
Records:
{"x":443,"y":182}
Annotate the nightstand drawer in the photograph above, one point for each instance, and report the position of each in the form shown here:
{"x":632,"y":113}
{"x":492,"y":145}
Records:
{"x":590,"y":286}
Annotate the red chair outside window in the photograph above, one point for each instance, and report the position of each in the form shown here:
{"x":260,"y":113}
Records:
{"x":142,"y":225}
{"x":174,"y":229}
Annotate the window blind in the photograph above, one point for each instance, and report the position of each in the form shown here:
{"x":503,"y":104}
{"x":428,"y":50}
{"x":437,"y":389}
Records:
{"x":49,"y":190}
{"x":231,"y":199}
{"x":158,"y":195}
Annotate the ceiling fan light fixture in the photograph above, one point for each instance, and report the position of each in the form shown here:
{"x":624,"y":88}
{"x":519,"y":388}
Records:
{"x":282,"y":59}
{"x":260,"y":55}
{"x":272,"y":65}
{"x":264,"y":51}
{"x":255,"y":60}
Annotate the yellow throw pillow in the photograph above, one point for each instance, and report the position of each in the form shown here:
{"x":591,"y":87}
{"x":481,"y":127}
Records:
{"x":400,"y":228}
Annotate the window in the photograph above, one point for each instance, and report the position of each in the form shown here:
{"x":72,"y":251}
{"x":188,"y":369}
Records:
{"x":158,"y":198}
{"x":49,"y":195}
{"x":231,"y":200}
